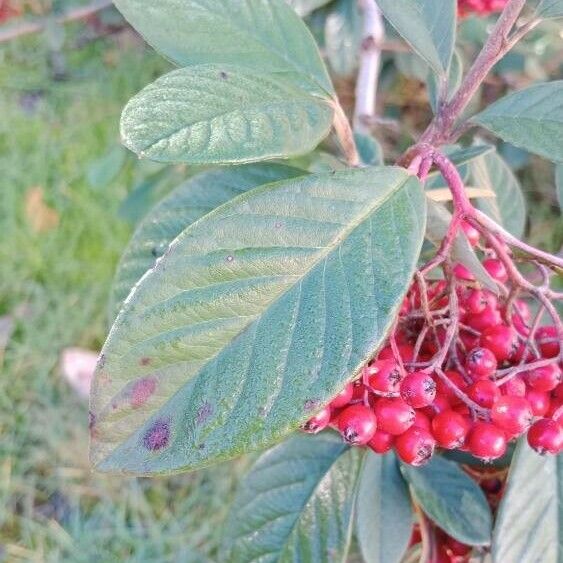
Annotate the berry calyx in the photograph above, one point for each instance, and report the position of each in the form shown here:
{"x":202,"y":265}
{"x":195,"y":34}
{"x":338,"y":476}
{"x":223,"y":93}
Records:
{"x":394,"y":415}
{"x":546,"y":437}
{"x":415,"y":446}
{"x":418,"y":389}
{"x":486,"y":441}
{"x":357,"y":424}
{"x":383,"y":377}
{"x":318,"y":422}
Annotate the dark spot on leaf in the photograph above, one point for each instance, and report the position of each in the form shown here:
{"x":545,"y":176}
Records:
{"x":142,"y":390}
{"x":101,"y":361}
{"x":91,"y":420}
{"x":223,"y":75}
{"x":157,"y":436}
{"x":201,"y":446}
{"x":310,"y":404}
{"x":145,"y":361}
{"x":204,"y":412}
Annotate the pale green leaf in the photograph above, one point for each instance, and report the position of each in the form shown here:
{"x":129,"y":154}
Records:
{"x":296,"y":504}
{"x":343,"y":36}
{"x":529,"y":520}
{"x":186,"y":204}
{"x":305,"y":7}
{"x":369,"y":149}
{"x":256,"y":316}
{"x":509,"y":206}
{"x":550,"y":9}
{"x":384,"y":516}
{"x":427,"y":25}
{"x":264,"y":35}
{"x":559,"y":184}
{"x":220,"y":114}
{"x":531,"y":119}
{"x":455,"y":74}
{"x":452,"y":500}
{"x":102,"y":171}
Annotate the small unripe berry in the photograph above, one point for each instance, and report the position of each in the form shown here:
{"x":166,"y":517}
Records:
{"x":394,"y":415}
{"x":512,"y":414}
{"x":500,"y":340}
{"x":357,"y":424}
{"x":484,"y":392}
{"x":546,"y":437}
{"x":496,"y":269}
{"x":418,"y":389}
{"x":548,"y":341}
{"x":415,"y":446}
{"x":450,"y":429}
{"x":480,"y":363}
{"x":383,"y":377}
{"x":381,"y":442}
{"x":486,"y":441}
{"x":343,"y":398}
{"x":544,"y":378}
{"x":318,"y":422}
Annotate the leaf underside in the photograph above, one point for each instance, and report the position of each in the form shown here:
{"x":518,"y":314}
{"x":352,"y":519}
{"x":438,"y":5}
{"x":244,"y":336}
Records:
{"x":295,"y":504}
{"x":256,"y":316}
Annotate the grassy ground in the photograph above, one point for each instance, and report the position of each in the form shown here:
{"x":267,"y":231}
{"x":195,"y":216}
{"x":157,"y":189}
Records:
{"x":56,"y":283}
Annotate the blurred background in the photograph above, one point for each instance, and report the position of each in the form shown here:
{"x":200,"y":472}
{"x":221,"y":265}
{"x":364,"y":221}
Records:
{"x":70,"y":196}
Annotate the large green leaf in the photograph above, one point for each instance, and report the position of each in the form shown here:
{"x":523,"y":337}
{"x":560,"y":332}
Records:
{"x":186,"y":204}
{"x":427,"y":25}
{"x":529,"y":522}
{"x":559,"y":184}
{"x":531,"y":119}
{"x":451,"y":499}
{"x":296,"y":504}
{"x":257,"y":315}
{"x":369,"y":149}
{"x":438,"y":219}
{"x":455,"y":74}
{"x":384,"y":516}
{"x":509,"y":206}
{"x":305,"y":7}
{"x":218,"y":114}
{"x":550,"y":9}
{"x":265,"y":35}
{"x":343,"y":36}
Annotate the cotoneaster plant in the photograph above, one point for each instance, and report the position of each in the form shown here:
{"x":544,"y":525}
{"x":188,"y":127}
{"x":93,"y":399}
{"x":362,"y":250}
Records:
{"x":382,"y":328}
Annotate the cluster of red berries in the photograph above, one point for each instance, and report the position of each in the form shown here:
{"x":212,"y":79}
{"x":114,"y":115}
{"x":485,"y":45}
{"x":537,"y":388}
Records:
{"x":499,"y":379}
{"x":481,"y":7}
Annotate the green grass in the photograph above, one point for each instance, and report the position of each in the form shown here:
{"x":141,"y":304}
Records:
{"x":52,"y":508}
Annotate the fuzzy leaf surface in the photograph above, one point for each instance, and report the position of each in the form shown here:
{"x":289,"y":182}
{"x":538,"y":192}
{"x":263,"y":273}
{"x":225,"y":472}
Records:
{"x":296,"y":504}
{"x":550,"y":9}
{"x":256,"y":316}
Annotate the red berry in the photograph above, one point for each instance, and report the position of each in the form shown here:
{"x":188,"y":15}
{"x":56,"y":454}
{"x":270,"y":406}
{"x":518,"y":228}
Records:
{"x":421,"y":420}
{"x":450,"y":429}
{"x":406,"y":351}
{"x":487,"y":441}
{"x":548,"y":341}
{"x":343,"y":398}
{"x":546,"y":437}
{"x":480,"y":363}
{"x":492,"y":486}
{"x":461,"y":272}
{"x":478,"y":300}
{"x":318,"y":422}
{"x":442,"y":388}
{"x":539,"y":401}
{"x":544,"y":378}
{"x":384,"y":377}
{"x":480,"y":321}
{"x":418,"y":389}
{"x":415,"y":446}
{"x":471,"y":233}
{"x":500,"y":340}
{"x":496,"y":269}
{"x":381,"y":442}
{"x":514,"y":386}
{"x":512,"y":414}
{"x":357,"y":424}
{"x":439,"y":405}
{"x":484,"y":392}
{"x":394,"y":415}
{"x":557,"y":393}
{"x":457,"y":548}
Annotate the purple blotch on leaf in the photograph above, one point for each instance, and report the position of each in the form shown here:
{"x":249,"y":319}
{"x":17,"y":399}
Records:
{"x":310,"y":404}
{"x":223,"y":75}
{"x":157,"y":436}
{"x":204,"y":412}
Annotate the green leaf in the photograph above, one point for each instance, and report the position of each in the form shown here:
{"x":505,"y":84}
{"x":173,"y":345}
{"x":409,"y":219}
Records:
{"x":296,"y":504}
{"x":102,"y":171}
{"x":509,"y":206}
{"x":371,"y":153}
{"x":183,"y":206}
{"x":257,"y":315}
{"x":343,"y":36}
{"x":264,"y":35}
{"x":530,"y":516}
{"x":550,"y":9}
{"x":452,"y":500}
{"x":384,"y":516}
{"x":531,"y":119}
{"x":455,"y":74}
{"x":438,"y":218}
{"x":428,"y":26}
{"x":305,"y":7}
{"x":210,"y":114}
{"x":559,"y":184}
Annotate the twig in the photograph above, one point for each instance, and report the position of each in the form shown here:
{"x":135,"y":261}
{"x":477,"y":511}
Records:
{"x":71,"y":15}
{"x":370,"y":58}
{"x":345,"y":135}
